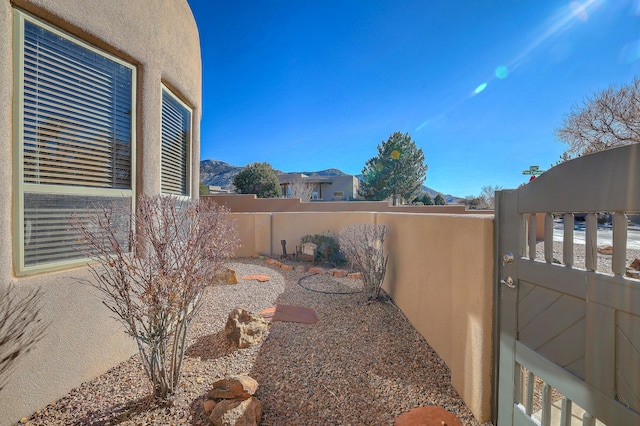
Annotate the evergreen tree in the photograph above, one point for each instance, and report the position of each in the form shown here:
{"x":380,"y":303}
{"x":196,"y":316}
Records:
{"x":397,"y":172}
{"x":259,"y":179}
{"x":439,"y":200}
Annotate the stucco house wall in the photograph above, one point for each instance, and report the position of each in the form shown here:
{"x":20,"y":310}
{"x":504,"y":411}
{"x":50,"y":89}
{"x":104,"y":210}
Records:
{"x":160,"y":39}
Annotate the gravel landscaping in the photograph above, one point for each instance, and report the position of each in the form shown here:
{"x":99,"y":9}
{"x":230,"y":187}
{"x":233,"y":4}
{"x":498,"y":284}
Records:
{"x":359,"y":364}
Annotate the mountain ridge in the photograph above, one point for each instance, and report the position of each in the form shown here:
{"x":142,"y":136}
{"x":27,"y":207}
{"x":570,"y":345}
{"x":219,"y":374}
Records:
{"x":218,"y":173}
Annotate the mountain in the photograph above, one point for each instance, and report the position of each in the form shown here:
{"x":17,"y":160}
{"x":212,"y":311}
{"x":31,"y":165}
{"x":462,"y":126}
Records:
{"x":219,"y":173}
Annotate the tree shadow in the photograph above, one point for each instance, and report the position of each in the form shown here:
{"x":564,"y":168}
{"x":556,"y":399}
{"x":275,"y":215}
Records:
{"x":211,"y":346}
{"x":118,"y":413}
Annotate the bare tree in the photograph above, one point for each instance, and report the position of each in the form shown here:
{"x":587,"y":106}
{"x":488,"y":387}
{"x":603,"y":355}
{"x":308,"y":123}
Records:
{"x":20,"y":327}
{"x":487,"y":196}
{"x":153,"y":273}
{"x":363,"y":245}
{"x":301,"y":189}
{"x":606,"y":119}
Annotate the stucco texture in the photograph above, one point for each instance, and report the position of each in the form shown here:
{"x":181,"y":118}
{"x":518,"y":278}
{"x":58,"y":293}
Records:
{"x":160,"y":38}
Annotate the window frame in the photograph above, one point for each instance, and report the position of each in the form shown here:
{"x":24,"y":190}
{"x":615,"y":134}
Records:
{"x":19,"y":186}
{"x":189,"y":144}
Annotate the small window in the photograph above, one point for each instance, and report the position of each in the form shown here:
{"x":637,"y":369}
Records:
{"x":176,"y":145}
{"x":75,"y":140}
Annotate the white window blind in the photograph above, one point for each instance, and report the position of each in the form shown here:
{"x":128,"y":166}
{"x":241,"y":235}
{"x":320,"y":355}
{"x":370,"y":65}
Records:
{"x":77,"y":114}
{"x":76,"y":140}
{"x":176,"y":141}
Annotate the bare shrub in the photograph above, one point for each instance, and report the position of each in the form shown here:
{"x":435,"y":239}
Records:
{"x":301,"y":189}
{"x":154,"y":272}
{"x":363,"y":245}
{"x":20,"y":327}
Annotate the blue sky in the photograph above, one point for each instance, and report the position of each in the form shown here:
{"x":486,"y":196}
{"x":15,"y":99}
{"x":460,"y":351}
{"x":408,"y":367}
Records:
{"x":480,"y":85}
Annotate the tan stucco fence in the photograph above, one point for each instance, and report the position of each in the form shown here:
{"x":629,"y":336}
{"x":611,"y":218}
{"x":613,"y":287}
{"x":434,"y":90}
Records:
{"x":440,"y":274}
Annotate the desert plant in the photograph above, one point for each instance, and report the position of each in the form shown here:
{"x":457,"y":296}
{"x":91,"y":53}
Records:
{"x":327,"y":248}
{"x":363,"y":244}
{"x":20,"y":327}
{"x":153,"y":272}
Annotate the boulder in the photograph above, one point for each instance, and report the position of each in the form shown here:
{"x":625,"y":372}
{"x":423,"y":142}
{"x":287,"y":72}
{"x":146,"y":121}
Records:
{"x":208,"y":405}
{"x":227,"y":276}
{"x":233,"y":387}
{"x":237,"y":412}
{"x":245,"y":328}
{"x":355,"y":275}
{"x":317,"y":270}
{"x":286,"y":267}
{"x":635,"y":264}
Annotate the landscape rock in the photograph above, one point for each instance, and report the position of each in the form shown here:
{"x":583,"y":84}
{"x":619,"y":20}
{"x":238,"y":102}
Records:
{"x":605,"y":249}
{"x":316,"y":270}
{"x":233,"y":387}
{"x":286,"y":267}
{"x":245,"y":328}
{"x":208,"y":405}
{"x":237,"y":412}
{"x":635,"y":264}
{"x":338,"y":273}
{"x":427,"y":416}
{"x":355,"y":275}
{"x":259,"y":278}
{"x":273,"y":262}
{"x":633,"y":273}
{"x":227,"y":276}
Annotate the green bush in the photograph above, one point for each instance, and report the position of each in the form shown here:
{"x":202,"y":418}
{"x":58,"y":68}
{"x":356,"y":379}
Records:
{"x":328,"y":248}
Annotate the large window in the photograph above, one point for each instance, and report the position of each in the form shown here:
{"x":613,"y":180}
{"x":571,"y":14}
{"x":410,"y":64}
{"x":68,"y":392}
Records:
{"x":176,"y":145}
{"x":75,"y":140}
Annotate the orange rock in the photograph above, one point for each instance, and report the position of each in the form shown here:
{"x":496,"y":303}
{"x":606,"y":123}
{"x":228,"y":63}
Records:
{"x":355,"y":275}
{"x":338,"y":273}
{"x":427,"y":416}
{"x":635,"y":264}
{"x":273,"y":262}
{"x":286,"y":267}
{"x":260,"y":278}
{"x":208,"y":405}
{"x":605,"y":249}
{"x":317,"y":270}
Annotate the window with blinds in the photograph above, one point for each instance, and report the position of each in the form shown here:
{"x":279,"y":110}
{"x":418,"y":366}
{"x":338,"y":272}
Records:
{"x":75,"y":138}
{"x":176,"y":143}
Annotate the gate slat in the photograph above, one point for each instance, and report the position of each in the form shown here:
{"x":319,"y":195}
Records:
{"x":602,"y":407}
{"x":618,"y":264}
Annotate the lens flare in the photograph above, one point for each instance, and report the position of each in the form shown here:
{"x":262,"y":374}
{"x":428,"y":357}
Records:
{"x":480,"y":88}
{"x":579,"y":11}
{"x":502,"y":72}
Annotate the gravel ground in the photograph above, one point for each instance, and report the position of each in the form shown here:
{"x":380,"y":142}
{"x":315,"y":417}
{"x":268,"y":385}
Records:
{"x":361,"y":364}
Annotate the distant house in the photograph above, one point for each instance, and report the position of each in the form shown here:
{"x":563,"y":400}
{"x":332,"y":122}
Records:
{"x":324,"y":188}
{"x":217,"y":189}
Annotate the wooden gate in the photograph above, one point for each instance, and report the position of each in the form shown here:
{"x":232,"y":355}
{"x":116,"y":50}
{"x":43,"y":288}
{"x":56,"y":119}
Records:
{"x":569,"y":314}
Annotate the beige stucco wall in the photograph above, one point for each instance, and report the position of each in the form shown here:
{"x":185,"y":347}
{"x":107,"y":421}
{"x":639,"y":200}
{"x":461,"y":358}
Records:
{"x":160,"y":38}
{"x":440,"y":274}
{"x":250,"y":203}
